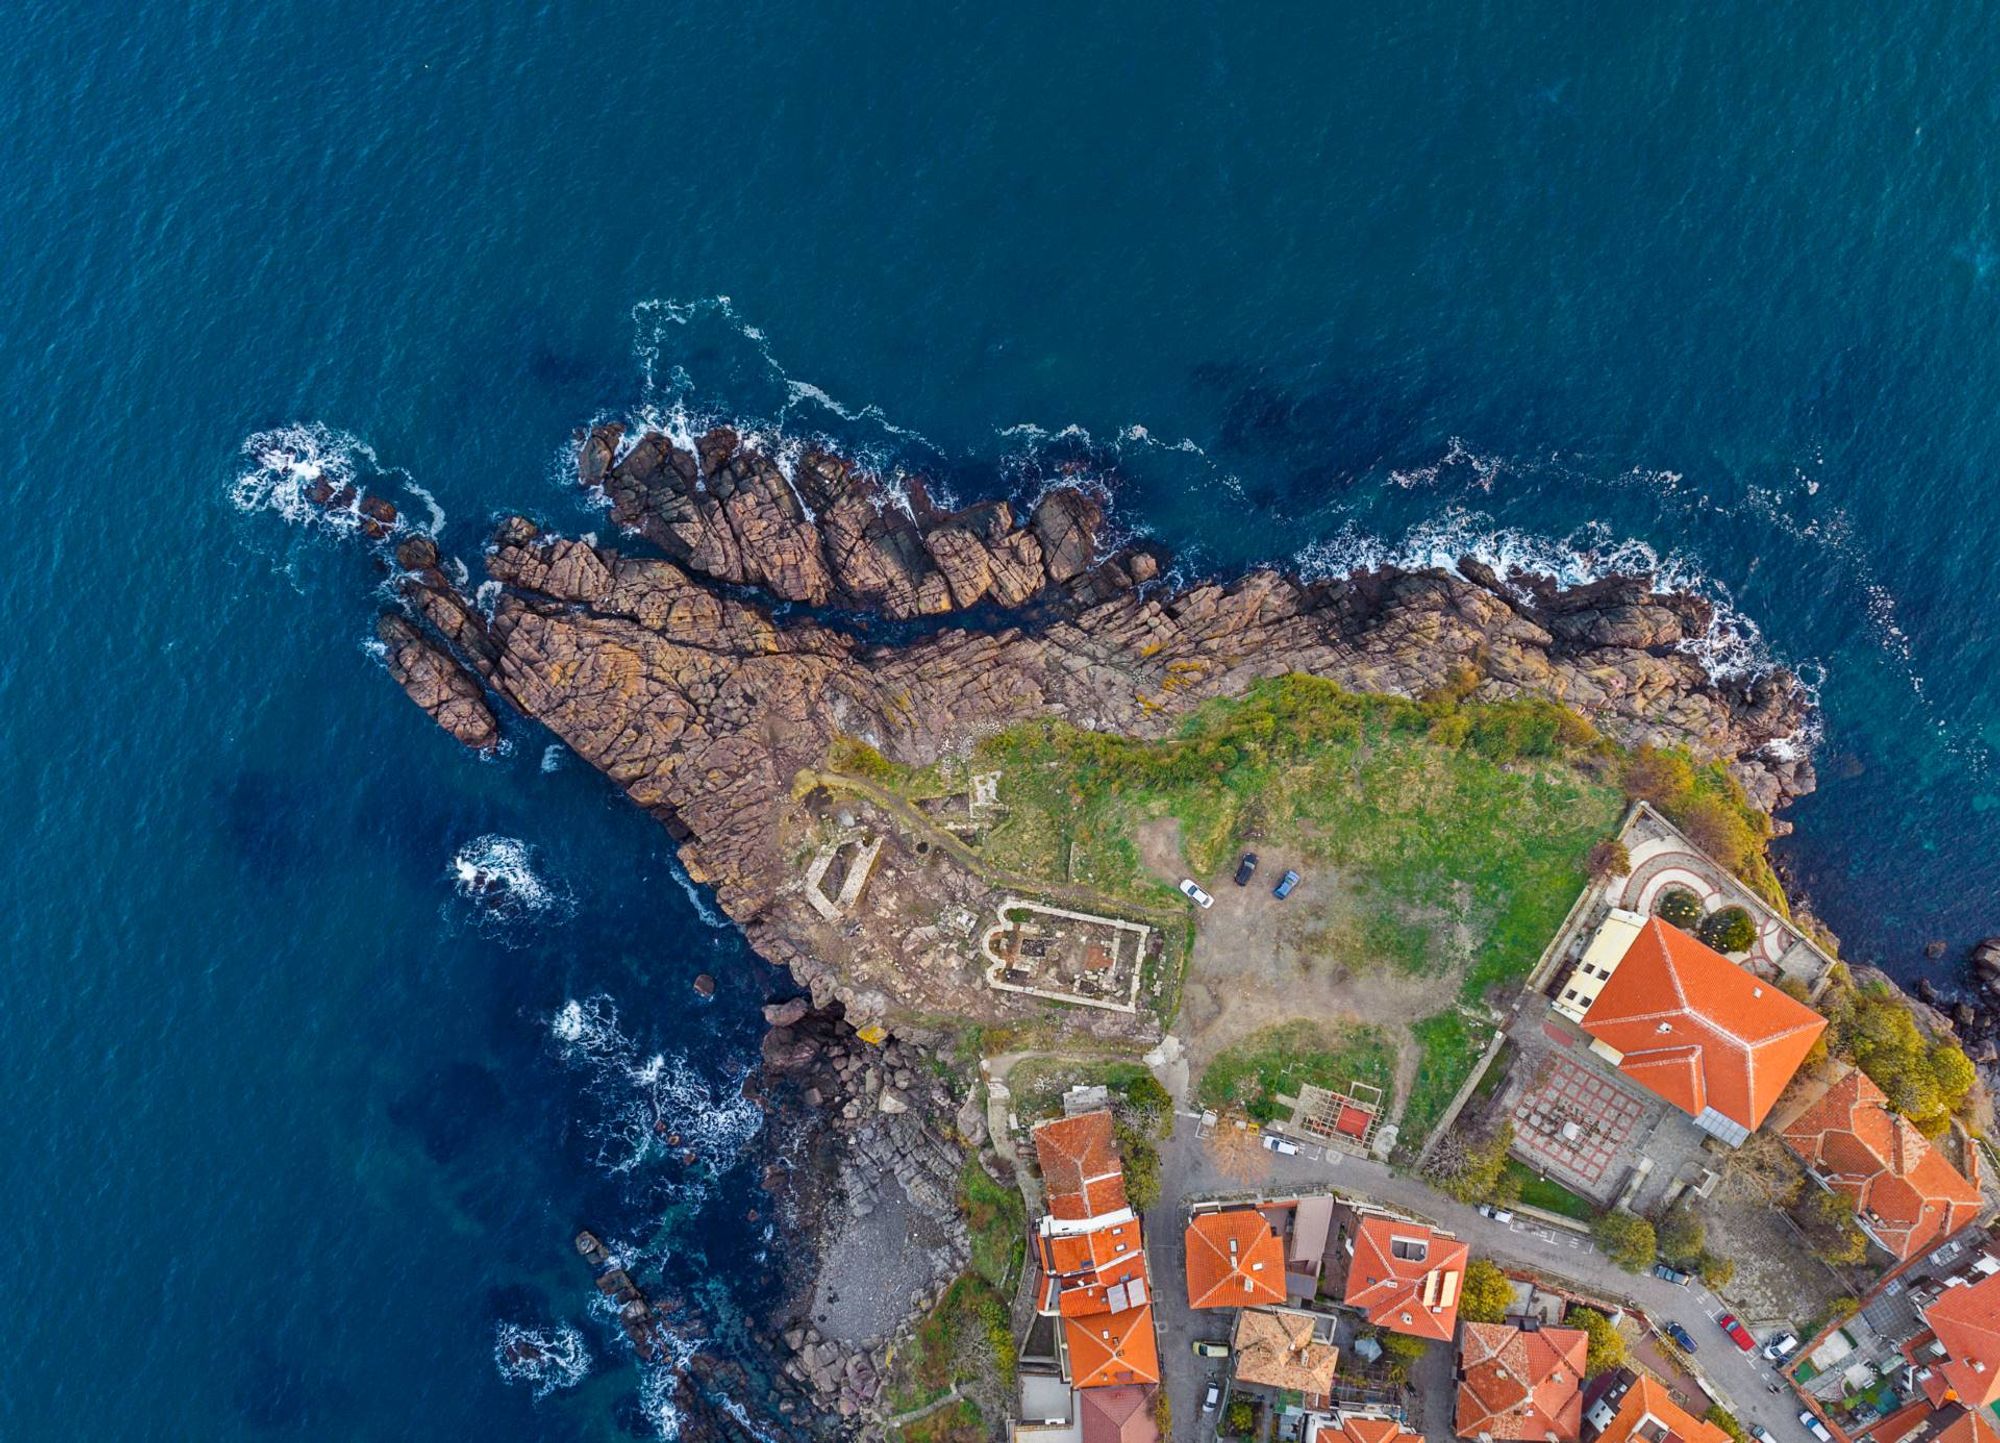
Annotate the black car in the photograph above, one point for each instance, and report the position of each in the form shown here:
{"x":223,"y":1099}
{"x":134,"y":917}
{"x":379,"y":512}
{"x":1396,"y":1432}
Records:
{"x":1246,"y":869}
{"x":1681,"y":1336}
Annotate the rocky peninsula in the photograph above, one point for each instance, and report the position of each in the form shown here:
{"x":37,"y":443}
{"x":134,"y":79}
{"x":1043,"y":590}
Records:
{"x":765,"y":621}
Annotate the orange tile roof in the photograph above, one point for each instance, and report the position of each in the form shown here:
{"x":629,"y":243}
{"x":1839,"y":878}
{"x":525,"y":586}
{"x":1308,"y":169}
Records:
{"x":1080,"y":1166}
{"x":1118,"y":1415}
{"x":1972,"y":1426}
{"x":1967,"y":1321}
{"x":1516,"y":1384}
{"x":1282,"y":1350}
{"x":1406,"y":1278}
{"x":1370,"y":1430}
{"x":1906,"y":1191}
{"x":1234,"y":1260}
{"x":1109,"y":1349}
{"x":1699,"y":1030}
{"x":1647,"y":1399}
{"x":1079,"y":1255}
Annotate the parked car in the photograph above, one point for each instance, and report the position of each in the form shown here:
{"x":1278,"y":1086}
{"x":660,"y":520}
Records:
{"x":1671,"y":1275}
{"x":1814,"y":1426}
{"x":1681,"y":1336}
{"x":1211,"y":1397}
{"x":1194,"y":894}
{"x":1781,"y":1346}
{"x":1499,"y":1215}
{"x":1281,"y":1144}
{"x":1285,"y":885}
{"x":1761,"y":1434}
{"x":1738,"y":1334}
{"x":1246,"y":869}
{"x":1209,"y":1348}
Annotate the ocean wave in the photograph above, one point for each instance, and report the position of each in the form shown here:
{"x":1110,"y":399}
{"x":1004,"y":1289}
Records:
{"x":710,"y":917}
{"x":499,"y":874}
{"x":545,"y":1360}
{"x":286,"y":467}
{"x":652,"y":1104}
{"x":552,"y":757}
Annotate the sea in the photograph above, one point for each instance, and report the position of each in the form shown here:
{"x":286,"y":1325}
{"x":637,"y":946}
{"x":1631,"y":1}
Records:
{"x":320,"y":1037}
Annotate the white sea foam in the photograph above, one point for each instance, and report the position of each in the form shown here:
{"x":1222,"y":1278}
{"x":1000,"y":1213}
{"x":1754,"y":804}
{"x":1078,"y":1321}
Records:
{"x":708,"y":914}
{"x":547,"y":1360}
{"x":649,"y":1098}
{"x":282,"y":466}
{"x":660,"y":1380}
{"x":499,"y":873}
{"x":552,"y":757}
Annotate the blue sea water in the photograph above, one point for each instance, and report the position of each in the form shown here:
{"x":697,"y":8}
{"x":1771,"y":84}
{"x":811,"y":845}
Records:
{"x":297,"y":1127}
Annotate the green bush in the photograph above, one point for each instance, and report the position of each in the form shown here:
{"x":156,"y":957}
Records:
{"x":1728,"y":930}
{"x":1473,"y":1169}
{"x":1142,"y":1166}
{"x":1485,"y":1294}
{"x":1240,"y":1418}
{"x":1681,"y":1235}
{"x":1626,"y":1238}
{"x":1151,"y":1104}
{"x":1607,"y":1348}
{"x":1722,"y":1418}
{"x":1716,"y":1271}
{"x":1679,"y":906}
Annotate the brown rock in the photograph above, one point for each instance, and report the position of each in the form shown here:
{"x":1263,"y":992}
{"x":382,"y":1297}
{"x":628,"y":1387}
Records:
{"x":434,"y":679}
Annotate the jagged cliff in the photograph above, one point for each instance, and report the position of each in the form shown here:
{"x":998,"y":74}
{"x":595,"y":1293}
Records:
{"x":703,"y":680}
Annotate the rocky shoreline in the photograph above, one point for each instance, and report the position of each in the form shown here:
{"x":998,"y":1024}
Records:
{"x":707,"y":680}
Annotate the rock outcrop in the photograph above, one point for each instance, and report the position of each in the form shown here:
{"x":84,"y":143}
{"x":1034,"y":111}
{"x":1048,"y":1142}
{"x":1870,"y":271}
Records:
{"x":705,"y":685}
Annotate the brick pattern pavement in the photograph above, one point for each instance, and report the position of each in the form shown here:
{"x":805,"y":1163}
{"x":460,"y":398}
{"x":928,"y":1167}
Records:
{"x":1571,"y":1122}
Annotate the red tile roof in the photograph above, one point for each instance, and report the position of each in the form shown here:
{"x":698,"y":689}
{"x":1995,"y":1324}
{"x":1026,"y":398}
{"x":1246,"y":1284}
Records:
{"x":1972,"y":1426}
{"x":1967,"y":1321}
{"x":1107,"y":1349}
{"x":1699,"y":1030}
{"x":1369,"y":1430}
{"x":1080,"y":1166}
{"x":1517,"y":1384}
{"x":1406,"y":1278}
{"x":1648,"y":1399}
{"x":1234,"y":1260}
{"x":1906,"y":1191}
{"x":1118,"y":1415}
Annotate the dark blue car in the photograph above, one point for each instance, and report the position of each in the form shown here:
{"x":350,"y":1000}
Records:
{"x":1285,"y":885}
{"x":1681,"y":1336}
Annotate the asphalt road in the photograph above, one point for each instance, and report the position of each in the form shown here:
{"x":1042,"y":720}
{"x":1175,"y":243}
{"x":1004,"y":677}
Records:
{"x":1740,"y":1381}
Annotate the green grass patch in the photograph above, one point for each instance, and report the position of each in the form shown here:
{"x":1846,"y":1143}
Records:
{"x":1038,"y":1083}
{"x":1549,"y":1195}
{"x":1251,"y":1074}
{"x":997,"y":1222}
{"x":962,"y":1422}
{"x":966,"y":1336}
{"x":1458,"y":830}
{"x":1450,"y":1044}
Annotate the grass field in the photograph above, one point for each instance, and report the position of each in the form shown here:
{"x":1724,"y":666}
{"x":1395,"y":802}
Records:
{"x":1251,"y":1074}
{"x":1450,"y":1044}
{"x":1038,"y":1083}
{"x":1540,"y":1192}
{"x":1459,"y":830}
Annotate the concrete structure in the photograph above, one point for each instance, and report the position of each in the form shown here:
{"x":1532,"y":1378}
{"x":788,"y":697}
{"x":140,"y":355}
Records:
{"x":1614,"y":937}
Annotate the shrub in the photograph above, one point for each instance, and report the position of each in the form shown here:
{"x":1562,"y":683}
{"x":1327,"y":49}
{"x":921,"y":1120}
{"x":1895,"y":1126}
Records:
{"x":1142,"y":1167}
{"x":1471,"y":1169}
{"x":1402,"y":1348}
{"x":1626,"y":1238}
{"x":1607,"y":1348}
{"x":1240,"y":1418}
{"x":1722,"y":1418}
{"x":1729,"y":930}
{"x":1681,"y":1235}
{"x":1609,"y":858}
{"x":1163,"y":1413}
{"x":1827,"y":1219}
{"x":1716,"y":1271}
{"x":1485,"y":1293}
{"x":1151,"y":1104}
{"x":1679,"y":906}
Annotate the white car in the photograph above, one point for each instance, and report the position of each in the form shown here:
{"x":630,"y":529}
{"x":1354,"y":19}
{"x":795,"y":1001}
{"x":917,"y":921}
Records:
{"x":1281,"y":1144}
{"x":1499,"y":1215}
{"x":1782,"y":1346}
{"x":1761,"y":1433}
{"x":1211,"y":1398}
{"x":1814,"y":1426}
{"x":1194,"y":894}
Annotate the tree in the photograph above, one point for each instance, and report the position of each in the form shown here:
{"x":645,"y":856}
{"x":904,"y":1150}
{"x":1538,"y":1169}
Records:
{"x":1163,"y":1413}
{"x":1827,"y":1219}
{"x":1142,"y":1166}
{"x":1484,"y":1293}
{"x":1722,"y":1418}
{"x":1609,"y":858}
{"x":1471,"y":1169}
{"x":1151,"y":1104}
{"x":1607,"y":1348}
{"x":1678,"y":906}
{"x":1625,"y":1238}
{"x":1952,"y":1073}
{"x":1240,"y":1418}
{"x":1729,"y":930}
{"x":1681,"y":1235}
{"x":1239,"y":1153}
{"x":1716,"y":1271}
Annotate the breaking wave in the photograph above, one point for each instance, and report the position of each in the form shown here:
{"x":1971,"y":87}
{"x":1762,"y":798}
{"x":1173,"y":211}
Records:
{"x":545,"y":1360}
{"x":286,"y":468}
{"x":499,"y":874}
{"x":651,"y":1106}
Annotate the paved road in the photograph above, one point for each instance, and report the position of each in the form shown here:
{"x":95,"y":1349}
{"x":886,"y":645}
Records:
{"x":1740,"y":1380}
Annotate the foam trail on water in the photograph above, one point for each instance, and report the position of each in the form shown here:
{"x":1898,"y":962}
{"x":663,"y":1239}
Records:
{"x":500,"y":872}
{"x":546,"y":1360}
{"x":652,"y":1104}
{"x":709,"y":916}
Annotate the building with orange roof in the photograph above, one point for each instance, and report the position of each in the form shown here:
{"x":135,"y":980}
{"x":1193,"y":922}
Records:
{"x":1357,"y":1428}
{"x":1118,"y":1415}
{"x":1974,"y":1425}
{"x":1406,"y":1277}
{"x":1906,"y":1196}
{"x":1963,"y":1363}
{"x":1521,"y":1385}
{"x":1109,"y":1350}
{"x":1234,"y":1260}
{"x":1686,"y":1023}
{"x":1285,"y":1350}
{"x":1080,"y":1167}
{"x":1649,"y":1413}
